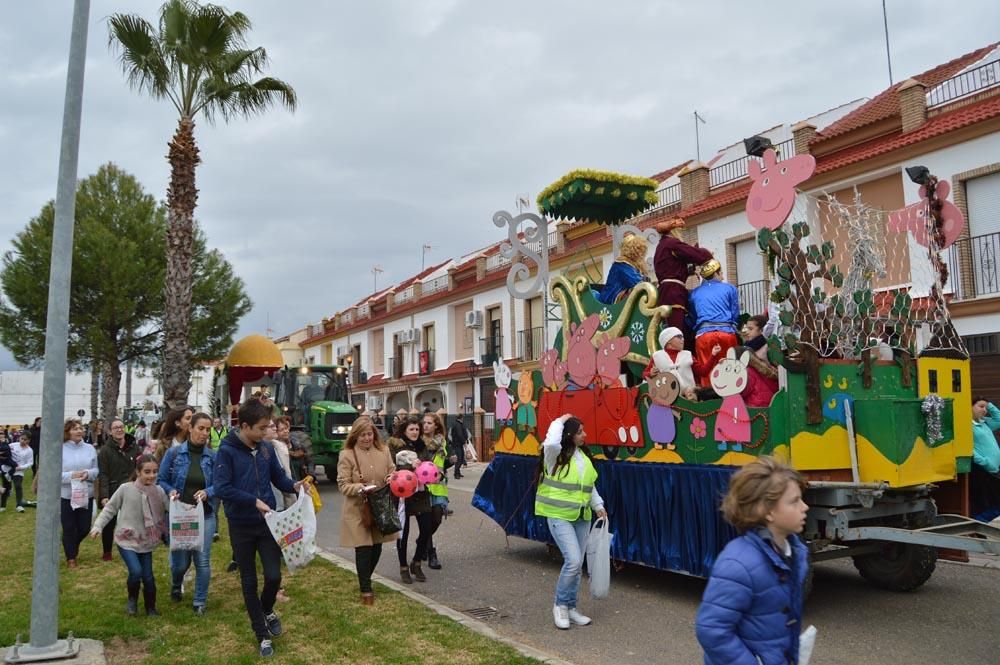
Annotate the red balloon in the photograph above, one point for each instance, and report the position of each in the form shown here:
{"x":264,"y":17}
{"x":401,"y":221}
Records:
{"x":427,"y":473}
{"x":403,"y":484}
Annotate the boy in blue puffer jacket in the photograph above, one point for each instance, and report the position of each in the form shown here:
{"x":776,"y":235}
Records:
{"x":752,"y":608}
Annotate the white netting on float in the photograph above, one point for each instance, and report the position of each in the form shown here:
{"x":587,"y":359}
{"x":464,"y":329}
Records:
{"x":845,"y":280}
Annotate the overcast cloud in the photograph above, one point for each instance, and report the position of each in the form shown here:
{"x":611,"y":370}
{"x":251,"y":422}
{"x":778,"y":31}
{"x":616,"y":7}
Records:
{"x":418,"y":119}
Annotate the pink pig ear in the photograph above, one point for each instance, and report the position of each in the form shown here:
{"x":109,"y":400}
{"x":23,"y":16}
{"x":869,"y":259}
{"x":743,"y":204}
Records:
{"x":753,"y":168}
{"x":943,"y":189}
{"x":770,"y":158}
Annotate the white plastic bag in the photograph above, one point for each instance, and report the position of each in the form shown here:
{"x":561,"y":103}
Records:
{"x":599,"y":558}
{"x":79,"y":493}
{"x":470,"y":452}
{"x":187,"y":526}
{"x":294,"y":530}
{"x":806,"y":643}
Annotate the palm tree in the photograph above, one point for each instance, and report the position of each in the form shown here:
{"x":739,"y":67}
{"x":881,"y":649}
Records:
{"x":197,"y":58}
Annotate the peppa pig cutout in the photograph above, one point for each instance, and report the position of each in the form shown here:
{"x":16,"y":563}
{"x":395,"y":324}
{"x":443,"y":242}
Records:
{"x":912,"y":217}
{"x":609,"y":357}
{"x":772,"y":194}
{"x":553,"y":370}
{"x":729,"y":378}
{"x":582,"y":356}
{"x":504,"y":404}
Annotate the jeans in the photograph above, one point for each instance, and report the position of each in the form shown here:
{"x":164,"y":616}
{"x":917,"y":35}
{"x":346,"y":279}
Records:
{"x":140,"y":567}
{"x":19,"y":489}
{"x":108,"y":534}
{"x":75,"y":526}
{"x":365,"y":560}
{"x":5,"y":483}
{"x":425,"y":526}
{"x":249,"y":540}
{"x":571,"y":538}
{"x":180,"y":561}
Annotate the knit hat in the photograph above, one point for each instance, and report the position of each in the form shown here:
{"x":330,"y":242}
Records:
{"x":668,"y":334}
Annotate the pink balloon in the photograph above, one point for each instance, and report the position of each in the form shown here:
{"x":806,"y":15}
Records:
{"x":427,"y":473}
{"x":403,"y":484}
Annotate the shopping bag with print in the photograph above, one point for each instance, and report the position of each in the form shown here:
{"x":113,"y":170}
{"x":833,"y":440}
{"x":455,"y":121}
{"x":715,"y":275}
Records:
{"x":79,"y":493}
{"x":294,"y":530}
{"x":470,"y":452}
{"x":187,"y":526}
{"x":599,"y":558}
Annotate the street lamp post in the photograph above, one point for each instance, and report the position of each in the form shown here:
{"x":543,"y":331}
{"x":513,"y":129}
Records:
{"x":44,"y":644}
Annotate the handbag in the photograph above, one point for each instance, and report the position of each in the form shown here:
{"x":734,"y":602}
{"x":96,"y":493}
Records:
{"x":377,"y":511}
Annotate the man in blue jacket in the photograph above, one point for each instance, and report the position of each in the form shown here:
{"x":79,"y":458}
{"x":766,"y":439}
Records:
{"x":245,"y":469}
{"x":714,"y":309}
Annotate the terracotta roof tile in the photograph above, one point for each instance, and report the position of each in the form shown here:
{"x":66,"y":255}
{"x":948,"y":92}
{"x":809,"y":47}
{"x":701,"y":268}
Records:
{"x":886,"y":104}
{"x":663,"y":175}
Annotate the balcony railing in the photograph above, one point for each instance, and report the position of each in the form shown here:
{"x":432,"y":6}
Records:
{"x":497,"y":261}
{"x":529,"y":344}
{"x":434,"y":285}
{"x":973,"y":267}
{"x":668,"y":197}
{"x":490,"y":349}
{"x":406,"y":295}
{"x":723,"y":174}
{"x":425,"y":362}
{"x":965,"y":84}
{"x":754,"y":296}
{"x":364,"y":311}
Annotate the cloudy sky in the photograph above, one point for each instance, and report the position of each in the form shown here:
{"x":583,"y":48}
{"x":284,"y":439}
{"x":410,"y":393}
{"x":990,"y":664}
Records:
{"x":418,"y":119}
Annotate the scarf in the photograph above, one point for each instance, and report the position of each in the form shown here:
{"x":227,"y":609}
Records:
{"x":153,"y":511}
{"x":756,"y":343}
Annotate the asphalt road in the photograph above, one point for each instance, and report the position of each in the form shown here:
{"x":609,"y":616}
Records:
{"x":649,"y":616}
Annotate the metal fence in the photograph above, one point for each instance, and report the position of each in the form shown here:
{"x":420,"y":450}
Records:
{"x":754,"y":296}
{"x":490,"y":349}
{"x":736,"y":169}
{"x":972,"y":266}
{"x":962,"y":85}
{"x":668,"y":197}
{"x":529,"y":343}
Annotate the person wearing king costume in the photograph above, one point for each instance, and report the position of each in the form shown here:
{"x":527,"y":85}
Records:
{"x":673,"y":261}
{"x":715,"y":310}
{"x":628,"y":270}
{"x":567,"y":497}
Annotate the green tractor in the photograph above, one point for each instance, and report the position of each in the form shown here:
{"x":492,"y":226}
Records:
{"x":317,"y":398}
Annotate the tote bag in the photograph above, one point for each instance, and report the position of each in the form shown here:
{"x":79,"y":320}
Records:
{"x":294,"y":529}
{"x":187,"y":526}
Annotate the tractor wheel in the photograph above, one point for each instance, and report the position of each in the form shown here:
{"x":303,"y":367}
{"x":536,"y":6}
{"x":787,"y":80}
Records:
{"x":611,"y":452}
{"x":898,"y":566}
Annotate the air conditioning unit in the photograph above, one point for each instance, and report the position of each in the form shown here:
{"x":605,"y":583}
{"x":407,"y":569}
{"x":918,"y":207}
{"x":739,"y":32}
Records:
{"x":406,"y":336}
{"x":415,"y":335}
{"x":374,"y":402}
{"x":474,"y":319}
{"x":390,"y":370}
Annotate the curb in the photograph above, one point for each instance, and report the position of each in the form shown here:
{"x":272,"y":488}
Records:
{"x":473,"y":624}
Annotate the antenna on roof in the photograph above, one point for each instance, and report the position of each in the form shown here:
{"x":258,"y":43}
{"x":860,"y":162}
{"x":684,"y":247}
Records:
{"x":888,"y":55}
{"x":523,"y":202}
{"x":697,"y":139}
{"x":423,"y":255}
{"x":375,"y":272}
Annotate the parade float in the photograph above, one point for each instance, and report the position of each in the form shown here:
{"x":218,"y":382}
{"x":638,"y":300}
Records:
{"x":873,"y":436}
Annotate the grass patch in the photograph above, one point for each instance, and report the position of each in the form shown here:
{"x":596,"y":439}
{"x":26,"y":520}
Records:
{"x":323,"y":622}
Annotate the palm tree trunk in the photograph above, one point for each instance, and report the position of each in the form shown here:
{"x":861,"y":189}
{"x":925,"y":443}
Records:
{"x":111,"y":380}
{"x":182,"y":197}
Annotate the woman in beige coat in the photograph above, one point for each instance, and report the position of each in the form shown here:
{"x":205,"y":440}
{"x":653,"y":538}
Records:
{"x":365,"y":465}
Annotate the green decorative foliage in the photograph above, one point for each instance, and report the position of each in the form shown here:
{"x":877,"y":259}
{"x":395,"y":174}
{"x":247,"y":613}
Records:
{"x":791,"y":341}
{"x":800,"y":229}
{"x":599,"y":196}
{"x":775,"y":355}
{"x":785,"y":272}
{"x":783,"y":238}
{"x":764,"y":239}
{"x":786,"y":317}
{"x":781,"y":291}
{"x":827,"y":250}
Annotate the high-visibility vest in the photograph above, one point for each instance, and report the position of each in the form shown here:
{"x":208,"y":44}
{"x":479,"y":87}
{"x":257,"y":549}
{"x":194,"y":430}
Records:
{"x":215,"y":438}
{"x":566,"y":495}
{"x":441,"y":488}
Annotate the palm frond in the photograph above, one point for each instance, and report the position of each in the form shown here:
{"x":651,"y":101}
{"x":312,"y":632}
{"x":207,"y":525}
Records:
{"x":143,"y":62}
{"x":245,"y":99}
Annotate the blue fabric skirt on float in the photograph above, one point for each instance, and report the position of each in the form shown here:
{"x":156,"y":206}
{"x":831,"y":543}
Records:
{"x":665,"y":516}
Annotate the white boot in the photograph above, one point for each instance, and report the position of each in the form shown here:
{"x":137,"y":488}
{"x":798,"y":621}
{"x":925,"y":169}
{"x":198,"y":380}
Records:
{"x":560,"y":614}
{"x":577,"y":618}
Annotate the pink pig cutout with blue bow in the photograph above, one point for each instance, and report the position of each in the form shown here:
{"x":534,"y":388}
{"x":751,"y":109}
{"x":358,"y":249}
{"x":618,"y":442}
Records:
{"x":772,"y":195}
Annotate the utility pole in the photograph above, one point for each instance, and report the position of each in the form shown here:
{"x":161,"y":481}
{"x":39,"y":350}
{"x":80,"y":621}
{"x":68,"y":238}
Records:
{"x":45,"y":573}
{"x":697,"y":139}
{"x":888,"y":55}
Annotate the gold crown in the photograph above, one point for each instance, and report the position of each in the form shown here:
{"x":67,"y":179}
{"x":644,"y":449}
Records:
{"x":710,"y":268}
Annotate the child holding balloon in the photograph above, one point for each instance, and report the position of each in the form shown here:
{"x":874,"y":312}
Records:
{"x":407,"y":440}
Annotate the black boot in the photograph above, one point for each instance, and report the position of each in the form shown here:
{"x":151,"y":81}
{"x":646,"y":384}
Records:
{"x":432,"y":559}
{"x":132,"y":607}
{"x":417,"y":572}
{"x":149,"y":600}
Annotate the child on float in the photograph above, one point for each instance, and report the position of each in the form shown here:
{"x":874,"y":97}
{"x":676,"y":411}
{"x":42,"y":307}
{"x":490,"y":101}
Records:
{"x":751,"y":610}
{"x":567,"y":498}
{"x":141,"y":508}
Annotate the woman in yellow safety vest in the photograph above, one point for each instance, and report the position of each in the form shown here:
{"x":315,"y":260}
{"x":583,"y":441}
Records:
{"x":434,"y":437}
{"x":567,"y":496}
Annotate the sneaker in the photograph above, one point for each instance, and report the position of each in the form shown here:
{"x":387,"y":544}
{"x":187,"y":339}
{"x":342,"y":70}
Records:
{"x":20,"y":509}
{"x":3,"y":509}
{"x":577,"y":618}
{"x":560,"y":614}
{"x":266,"y":649}
{"x":200,"y":610}
{"x":175,"y":595}
{"x":273,"y":624}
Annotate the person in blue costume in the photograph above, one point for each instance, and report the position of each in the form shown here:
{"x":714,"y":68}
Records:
{"x":628,"y":270}
{"x":984,"y":479}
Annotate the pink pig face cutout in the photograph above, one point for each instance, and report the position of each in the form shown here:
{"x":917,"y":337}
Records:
{"x":729,"y":377}
{"x":553,"y":370}
{"x":912,"y":217}
{"x":609,"y":356}
{"x":772,"y":194}
{"x":582,"y":356}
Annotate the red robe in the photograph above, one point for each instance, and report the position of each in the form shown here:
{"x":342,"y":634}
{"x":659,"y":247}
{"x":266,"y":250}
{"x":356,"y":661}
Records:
{"x":672,"y":261}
